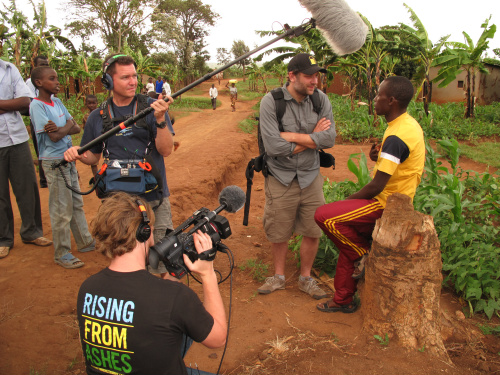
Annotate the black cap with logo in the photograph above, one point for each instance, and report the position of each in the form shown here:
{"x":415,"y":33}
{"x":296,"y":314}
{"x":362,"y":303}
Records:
{"x":304,"y":63}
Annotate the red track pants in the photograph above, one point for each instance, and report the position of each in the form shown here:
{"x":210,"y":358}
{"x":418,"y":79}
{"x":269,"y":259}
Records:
{"x":349,"y":224}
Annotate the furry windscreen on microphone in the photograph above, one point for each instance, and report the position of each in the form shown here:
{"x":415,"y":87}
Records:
{"x":342,"y":27}
{"x":232,"y":197}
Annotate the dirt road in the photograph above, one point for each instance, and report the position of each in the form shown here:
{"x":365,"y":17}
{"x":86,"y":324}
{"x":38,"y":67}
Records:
{"x":38,"y":329}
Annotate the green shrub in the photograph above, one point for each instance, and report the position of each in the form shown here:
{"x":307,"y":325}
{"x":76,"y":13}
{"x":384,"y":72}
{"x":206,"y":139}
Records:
{"x":444,"y":120}
{"x":465,"y":207}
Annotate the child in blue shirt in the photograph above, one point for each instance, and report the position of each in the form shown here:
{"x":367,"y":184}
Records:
{"x":53,"y":126}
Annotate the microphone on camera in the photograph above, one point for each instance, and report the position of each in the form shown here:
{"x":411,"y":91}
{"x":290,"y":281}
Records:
{"x":342,"y":27}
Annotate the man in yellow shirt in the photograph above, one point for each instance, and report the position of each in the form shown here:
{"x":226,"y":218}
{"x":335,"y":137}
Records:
{"x":400,"y":160}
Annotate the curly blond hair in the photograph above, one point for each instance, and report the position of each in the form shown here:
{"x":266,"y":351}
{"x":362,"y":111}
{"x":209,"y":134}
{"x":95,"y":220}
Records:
{"x":115,"y":225}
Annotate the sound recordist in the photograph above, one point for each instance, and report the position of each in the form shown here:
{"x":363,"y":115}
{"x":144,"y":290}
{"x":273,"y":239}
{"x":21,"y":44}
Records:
{"x":133,"y":322}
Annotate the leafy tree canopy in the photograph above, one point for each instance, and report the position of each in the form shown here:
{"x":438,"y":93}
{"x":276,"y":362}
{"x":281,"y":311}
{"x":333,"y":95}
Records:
{"x":113,"y":20}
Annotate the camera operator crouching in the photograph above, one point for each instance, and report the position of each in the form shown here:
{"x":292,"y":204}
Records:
{"x":132,"y":322}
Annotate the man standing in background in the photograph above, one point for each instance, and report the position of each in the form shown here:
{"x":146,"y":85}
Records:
{"x":16,"y":164}
{"x":213,"y":96}
{"x":150,"y":86}
{"x":159,"y":86}
{"x":166,"y":89}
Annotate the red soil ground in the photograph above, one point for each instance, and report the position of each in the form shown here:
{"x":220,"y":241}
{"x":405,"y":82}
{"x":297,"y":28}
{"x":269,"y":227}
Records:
{"x":38,"y":329}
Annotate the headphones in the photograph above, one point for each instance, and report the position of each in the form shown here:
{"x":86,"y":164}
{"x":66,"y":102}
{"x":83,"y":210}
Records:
{"x":106,"y":79}
{"x":143,"y":230}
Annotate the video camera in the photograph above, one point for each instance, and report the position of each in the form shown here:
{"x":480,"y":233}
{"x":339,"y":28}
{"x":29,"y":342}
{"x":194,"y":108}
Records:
{"x":170,"y":249}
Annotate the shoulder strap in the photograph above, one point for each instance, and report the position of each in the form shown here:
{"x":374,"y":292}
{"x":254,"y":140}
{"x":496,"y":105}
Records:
{"x":142,"y":104}
{"x":316,"y":101}
{"x":279,"y":100}
{"x":107,"y":122}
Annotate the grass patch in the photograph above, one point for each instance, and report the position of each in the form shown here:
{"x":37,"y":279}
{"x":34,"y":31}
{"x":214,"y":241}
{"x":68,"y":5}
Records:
{"x":258,"y":270}
{"x":192,"y":104}
{"x":197,"y":91}
{"x":248,"y":125}
{"x":486,"y":152}
{"x":490,"y":329}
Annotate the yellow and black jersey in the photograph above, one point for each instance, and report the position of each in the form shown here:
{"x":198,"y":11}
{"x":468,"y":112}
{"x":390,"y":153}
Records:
{"x":402,"y":156}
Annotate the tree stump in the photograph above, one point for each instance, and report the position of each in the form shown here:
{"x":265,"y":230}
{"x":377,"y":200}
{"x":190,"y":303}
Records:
{"x":403,"y":279}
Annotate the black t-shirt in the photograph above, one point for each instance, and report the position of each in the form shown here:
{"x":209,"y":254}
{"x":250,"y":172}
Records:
{"x":133,"y":323}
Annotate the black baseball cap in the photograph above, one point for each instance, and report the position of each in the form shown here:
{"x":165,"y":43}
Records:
{"x":304,"y":63}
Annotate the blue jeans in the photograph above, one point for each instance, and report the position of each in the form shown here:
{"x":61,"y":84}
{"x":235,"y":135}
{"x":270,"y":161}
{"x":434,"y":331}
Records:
{"x":66,"y":209}
{"x":186,"y":344}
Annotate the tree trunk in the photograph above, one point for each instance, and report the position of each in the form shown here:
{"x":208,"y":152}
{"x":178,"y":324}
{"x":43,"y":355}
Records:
{"x":369,"y":88}
{"x":427,"y":94}
{"x":473,"y":93}
{"x":403,"y":279}
{"x":467,"y":95}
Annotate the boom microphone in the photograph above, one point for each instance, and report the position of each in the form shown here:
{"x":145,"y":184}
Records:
{"x":231,"y":198}
{"x":342,"y":27}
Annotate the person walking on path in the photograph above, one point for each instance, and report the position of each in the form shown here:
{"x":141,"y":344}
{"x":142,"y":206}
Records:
{"x":213,"y":96}
{"x":233,"y":91}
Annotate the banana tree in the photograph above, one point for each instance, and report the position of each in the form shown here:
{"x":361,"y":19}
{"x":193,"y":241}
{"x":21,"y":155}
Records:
{"x":370,"y":57}
{"x":279,"y":71}
{"x":27,"y":41}
{"x":311,"y":42}
{"x":144,"y":64}
{"x":18,"y":23}
{"x":466,"y":57}
{"x":349,"y":68}
{"x":417,"y":46}
{"x":46,"y":35}
{"x":255,"y":73}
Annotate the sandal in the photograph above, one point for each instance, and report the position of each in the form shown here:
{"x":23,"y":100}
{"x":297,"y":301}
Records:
{"x":347,"y":309}
{"x":4,"y":251}
{"x":40,"y":241}
{"x":89,"y":247}
{"x":69,"y":261}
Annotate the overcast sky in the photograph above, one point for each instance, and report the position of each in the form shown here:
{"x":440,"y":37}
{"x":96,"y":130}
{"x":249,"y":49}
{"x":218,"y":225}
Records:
{"x":239,"y":19}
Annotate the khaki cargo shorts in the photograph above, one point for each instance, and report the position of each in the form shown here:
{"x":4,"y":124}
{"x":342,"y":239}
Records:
{"x":290,"y":209}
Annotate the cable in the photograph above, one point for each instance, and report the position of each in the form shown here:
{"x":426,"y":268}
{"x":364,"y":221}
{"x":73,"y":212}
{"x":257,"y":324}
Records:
{"x":230,"y":257}
{"x":96,"y":181}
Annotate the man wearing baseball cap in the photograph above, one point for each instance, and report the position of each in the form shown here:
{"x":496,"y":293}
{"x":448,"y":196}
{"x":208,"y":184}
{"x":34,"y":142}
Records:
{"x":294,"y":186}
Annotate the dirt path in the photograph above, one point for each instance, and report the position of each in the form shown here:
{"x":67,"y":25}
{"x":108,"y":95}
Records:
{"x":38,"y":330}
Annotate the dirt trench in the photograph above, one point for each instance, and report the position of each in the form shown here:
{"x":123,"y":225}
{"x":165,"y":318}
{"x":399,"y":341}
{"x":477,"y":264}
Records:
{"x":38,"y":329}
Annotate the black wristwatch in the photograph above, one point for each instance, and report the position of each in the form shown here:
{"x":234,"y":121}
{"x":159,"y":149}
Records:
{"x":161,"y":125}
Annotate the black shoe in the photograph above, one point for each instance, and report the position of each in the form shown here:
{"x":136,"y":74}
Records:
{"x":43,"y":185}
